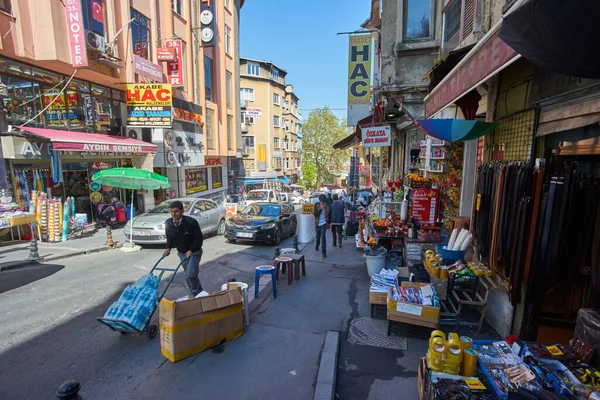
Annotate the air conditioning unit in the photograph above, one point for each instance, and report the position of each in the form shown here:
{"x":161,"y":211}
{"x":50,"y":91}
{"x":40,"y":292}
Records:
{"x":134,"y":133}
{"x":95,"y":41}
{"x":230,"y":172}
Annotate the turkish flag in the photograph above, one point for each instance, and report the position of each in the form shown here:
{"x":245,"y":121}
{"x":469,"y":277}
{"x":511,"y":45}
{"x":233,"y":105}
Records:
{"x":97,"y":11}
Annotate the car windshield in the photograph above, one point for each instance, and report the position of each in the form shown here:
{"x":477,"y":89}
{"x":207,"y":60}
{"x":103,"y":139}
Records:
{"x":263,"y":210}
{"x":316,"y":195}
{"x":164,"y":207}
{"x":260,"y":195}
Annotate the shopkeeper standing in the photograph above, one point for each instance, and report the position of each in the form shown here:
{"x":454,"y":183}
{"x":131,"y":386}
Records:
{"x":184,"y":233}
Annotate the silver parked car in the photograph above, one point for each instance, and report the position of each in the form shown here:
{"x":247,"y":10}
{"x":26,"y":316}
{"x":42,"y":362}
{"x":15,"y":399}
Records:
{"x":149,"y":228}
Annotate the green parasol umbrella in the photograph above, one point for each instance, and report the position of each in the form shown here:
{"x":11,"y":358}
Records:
{"x":131,"y":178}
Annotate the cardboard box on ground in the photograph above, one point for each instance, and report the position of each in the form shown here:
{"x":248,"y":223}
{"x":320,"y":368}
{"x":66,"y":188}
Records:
{"x":191,"y":326}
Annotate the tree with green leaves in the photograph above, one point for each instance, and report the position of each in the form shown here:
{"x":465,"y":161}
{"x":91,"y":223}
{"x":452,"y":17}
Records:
{"x":320,"y":160}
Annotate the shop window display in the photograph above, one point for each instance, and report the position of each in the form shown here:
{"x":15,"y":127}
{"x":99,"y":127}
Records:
{"x":196,"y":180}
{"x":22,"y":102}
{"x":217,"y":177}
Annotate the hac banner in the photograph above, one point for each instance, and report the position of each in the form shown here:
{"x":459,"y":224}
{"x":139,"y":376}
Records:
{"x":359,"y":78}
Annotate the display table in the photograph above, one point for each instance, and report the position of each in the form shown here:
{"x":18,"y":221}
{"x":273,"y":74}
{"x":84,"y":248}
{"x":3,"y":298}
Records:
{"x":306,"y":228}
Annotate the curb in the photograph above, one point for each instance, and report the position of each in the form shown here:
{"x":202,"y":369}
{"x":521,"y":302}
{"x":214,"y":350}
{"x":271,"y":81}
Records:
{"x":11,"y":265}
{"x":325,"y":387}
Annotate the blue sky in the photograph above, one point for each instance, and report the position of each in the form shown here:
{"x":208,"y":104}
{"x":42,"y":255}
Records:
{"x":299,"y":36}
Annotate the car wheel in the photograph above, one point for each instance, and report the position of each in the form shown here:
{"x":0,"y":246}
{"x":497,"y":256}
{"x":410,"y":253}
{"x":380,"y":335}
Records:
{"x":277,"y":239}
{"x":221,"y":228}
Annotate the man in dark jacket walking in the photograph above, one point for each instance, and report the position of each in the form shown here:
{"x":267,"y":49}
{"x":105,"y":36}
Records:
{"x":322,"y":215}
{"x":337,"y":219}
{"x":184,"y":233}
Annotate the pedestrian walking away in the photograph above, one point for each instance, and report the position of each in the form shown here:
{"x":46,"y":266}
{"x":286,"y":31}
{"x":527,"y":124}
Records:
{"x":322,"y":215}
{"x":329,"y":200}
{"x":184,"y":233}
{"x":337,"y":220}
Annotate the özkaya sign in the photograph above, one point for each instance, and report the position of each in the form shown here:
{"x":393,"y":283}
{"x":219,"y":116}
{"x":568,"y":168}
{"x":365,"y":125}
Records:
{"x":76,"y":33}
{"x":149,"y":105}
{"x":376,"y":136}
{"x":359,"y":78}
{"x":148,"y":69}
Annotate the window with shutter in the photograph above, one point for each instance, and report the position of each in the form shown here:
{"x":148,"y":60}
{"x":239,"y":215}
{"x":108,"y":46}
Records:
{"x":468,"y":18}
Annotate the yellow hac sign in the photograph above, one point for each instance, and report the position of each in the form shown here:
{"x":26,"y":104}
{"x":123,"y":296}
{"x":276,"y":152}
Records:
{"x":308,"y":208}
{"x":359,"y":70}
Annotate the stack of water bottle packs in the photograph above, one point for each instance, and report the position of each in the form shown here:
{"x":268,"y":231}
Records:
{"x":136,"y":303}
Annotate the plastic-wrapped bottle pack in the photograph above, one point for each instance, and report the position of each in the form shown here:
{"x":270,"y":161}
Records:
{"x":136,"y":302}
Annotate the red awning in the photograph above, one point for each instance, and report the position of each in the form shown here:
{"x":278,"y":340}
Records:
{"x":79,"y":141}
{"x":355,"y":137}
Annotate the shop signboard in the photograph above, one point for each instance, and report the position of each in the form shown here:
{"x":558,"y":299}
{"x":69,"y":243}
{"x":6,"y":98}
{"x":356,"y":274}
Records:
{"x":230,"y":210}
{"x":76,"y":33}
{"x":359,"y":78}
{"x":212,"y":161}
{"x":166,"y":54}
{"x":253,"y":112}
{"x":149,"y":105}
{"x":175,"y":68}
{"x":187,"y":116}
{"x":147,"y":69}
{"x":425,"y":205}
{"x":477,"y":66}
{"x":196,"y":180}
{"x":308,"y":209}
{"x":376,"y":136}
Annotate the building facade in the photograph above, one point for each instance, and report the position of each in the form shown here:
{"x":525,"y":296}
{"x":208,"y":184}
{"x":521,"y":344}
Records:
{"x":65,"y":69}
{"x":270,"y":122}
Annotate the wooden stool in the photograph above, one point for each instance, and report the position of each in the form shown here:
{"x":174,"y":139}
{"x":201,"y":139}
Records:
{"x":298,"y":259}
{"x":286,"y":265}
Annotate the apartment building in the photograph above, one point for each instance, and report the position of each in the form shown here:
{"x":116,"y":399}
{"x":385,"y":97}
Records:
{"x":270,"y":123}
{"x":66,"y":68}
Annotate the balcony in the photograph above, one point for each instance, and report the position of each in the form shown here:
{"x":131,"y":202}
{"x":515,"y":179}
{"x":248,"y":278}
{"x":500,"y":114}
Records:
{"x":248,"y":152}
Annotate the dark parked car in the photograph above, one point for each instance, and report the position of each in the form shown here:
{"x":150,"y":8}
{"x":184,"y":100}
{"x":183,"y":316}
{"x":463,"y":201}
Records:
{"x":263,"y":222}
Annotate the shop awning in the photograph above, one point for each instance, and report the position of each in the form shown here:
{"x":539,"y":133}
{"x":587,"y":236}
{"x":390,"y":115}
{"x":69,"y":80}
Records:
{"x":285,"y":180}
{"x":456,"y":130}
{"x":556,"y":35}
{"x":256,"y":181}
{"x":487,"y":58}
{"x":79,"y":141}
{"x":356,"y":137}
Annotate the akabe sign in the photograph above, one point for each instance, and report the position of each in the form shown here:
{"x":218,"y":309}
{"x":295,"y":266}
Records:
{"x":376,"y":136}
{"x":149,"y":105}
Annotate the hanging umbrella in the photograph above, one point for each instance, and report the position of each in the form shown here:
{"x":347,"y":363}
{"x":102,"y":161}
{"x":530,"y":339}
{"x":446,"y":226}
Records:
{"x":456,"y":130}
{"x":131,"y":178}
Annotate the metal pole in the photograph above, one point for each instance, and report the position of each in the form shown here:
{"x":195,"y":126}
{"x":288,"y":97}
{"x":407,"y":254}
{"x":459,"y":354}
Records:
{"x":131,"y":219}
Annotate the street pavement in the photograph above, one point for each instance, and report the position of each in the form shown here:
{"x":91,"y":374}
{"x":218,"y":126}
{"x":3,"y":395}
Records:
{"x":48,"y":328}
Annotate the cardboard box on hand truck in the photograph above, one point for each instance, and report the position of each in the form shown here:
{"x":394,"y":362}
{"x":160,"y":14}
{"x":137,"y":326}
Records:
{"x":191,"y":326}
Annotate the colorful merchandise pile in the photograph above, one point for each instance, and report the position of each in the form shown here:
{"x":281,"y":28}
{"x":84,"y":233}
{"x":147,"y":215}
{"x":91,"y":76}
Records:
{"x":52,"y":215}
{"x":136,"y":302}
{"x":424,"y":295}
{"x":538,"y":371}
{"x":450,"y":369}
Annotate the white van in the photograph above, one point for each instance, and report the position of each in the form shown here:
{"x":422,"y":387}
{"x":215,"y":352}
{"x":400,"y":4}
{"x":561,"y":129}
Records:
{"x":261,"y":195}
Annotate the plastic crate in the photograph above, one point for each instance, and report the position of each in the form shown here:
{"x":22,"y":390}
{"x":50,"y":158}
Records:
{"x":462,"y":283}
{"x":489,"y":380}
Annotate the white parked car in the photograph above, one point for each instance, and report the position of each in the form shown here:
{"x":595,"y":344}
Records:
{"x":298,"y":199}
{"x":149,"y":228}
{"x":314,"y":198}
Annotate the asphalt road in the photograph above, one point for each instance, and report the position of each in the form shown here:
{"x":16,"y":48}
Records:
{"x":48,"y":328}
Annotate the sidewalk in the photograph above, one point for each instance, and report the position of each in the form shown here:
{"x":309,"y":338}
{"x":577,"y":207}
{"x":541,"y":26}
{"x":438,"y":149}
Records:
{"x":284,"y":352}
{"x":15,"y":255}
